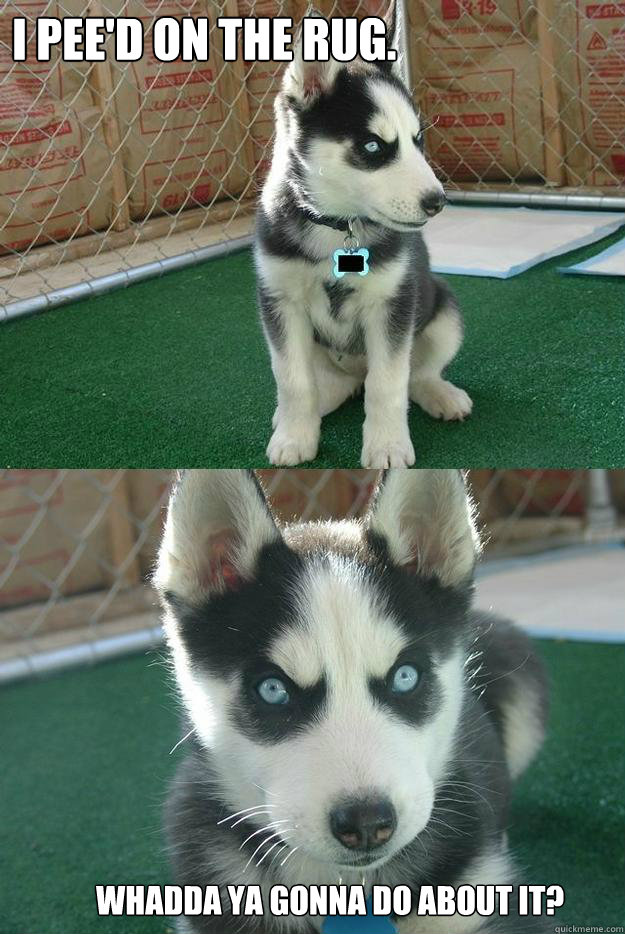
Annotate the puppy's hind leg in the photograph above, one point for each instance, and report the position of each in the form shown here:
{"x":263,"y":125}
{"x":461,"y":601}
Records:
{"x":433,"y":348}
{"x":333,"y":384}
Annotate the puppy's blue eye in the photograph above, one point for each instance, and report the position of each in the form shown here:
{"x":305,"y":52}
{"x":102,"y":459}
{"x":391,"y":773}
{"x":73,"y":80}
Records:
{"x":273,"y":691}
{"x":405,"y":679}
{"x":372,"y":146}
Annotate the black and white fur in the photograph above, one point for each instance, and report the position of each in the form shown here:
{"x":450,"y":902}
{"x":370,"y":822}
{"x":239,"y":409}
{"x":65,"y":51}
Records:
{"x":395,"y":329}
{"x":332,"y":609}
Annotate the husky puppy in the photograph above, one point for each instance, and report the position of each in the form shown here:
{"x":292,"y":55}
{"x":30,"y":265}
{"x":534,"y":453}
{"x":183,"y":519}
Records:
{"x":352,"y":718}
{"x":349,"y":149}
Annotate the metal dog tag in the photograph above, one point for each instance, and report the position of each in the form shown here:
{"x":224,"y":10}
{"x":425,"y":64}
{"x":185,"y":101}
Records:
{"x":352,"y":258}
{"x":351,"y":261}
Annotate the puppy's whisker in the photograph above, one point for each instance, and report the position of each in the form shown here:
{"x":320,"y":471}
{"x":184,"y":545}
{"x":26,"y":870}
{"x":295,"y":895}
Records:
{"x":428,"y":124}
{"x":259,"y":847}
{"x":254,"y":807}
{"x":265,"y":790}
{"x":288,"y":856}
{"x":252,"y":817}
{"x":272,"y":847}
{"x":180,"y":742}
{"x":456,"y":830}
{"x":276,"y":855}
{"x":270,"y":826}
{"x":443,"y":810}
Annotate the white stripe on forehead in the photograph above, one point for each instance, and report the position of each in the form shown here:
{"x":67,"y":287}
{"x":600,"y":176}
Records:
{"x":341,"y":631}
{"x":393,"y":114}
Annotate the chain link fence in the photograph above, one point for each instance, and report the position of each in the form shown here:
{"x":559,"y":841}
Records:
{"x":77,"y":546}
{"x":111,"y":172}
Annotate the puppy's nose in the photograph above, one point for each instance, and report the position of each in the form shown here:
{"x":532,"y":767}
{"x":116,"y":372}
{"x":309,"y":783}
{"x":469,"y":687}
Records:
{"x":363,"y":824}
{"x":433,"y":202}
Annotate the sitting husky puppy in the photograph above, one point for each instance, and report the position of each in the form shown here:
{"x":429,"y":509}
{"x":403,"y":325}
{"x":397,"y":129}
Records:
{"x":349,"y":151}
{"x":352,"y":717}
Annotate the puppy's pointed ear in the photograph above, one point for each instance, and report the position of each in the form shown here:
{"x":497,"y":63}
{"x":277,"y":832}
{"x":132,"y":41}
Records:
{"x":426,"y":518}
{"x":217,"y":522}
{"x":305,"y":81}
{"x":387,"y":10}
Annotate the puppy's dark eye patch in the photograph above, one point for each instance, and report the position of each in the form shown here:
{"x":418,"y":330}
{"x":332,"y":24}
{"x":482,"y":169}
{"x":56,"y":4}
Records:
{"x":270,"y":707}
{"x":411,"y":689}
{"x":372,"y":152}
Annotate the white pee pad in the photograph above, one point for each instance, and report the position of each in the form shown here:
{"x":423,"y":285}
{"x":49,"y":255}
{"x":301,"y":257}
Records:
{"x":610,"y":262}
{"x":503,"y":242}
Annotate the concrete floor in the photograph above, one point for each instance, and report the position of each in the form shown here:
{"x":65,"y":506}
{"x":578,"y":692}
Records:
{"x":576,"y":593}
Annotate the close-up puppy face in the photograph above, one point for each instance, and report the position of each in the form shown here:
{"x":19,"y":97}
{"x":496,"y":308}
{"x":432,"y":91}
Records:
{"x":322,"y":664}
{"x":357,"y":141}
{"x":360,"y":150}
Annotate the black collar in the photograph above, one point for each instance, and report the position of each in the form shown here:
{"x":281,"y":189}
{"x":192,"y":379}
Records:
{"x":336,"y":223}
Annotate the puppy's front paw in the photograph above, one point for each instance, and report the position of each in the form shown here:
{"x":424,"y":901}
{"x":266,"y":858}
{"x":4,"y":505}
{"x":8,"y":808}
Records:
{"x":380,"y":449}
{"x":441,"y":399}
{"x":292,"y":443}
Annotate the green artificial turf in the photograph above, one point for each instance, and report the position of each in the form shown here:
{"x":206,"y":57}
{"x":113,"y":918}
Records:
{"x":85,"y":761}
{"x":174,"y":372}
